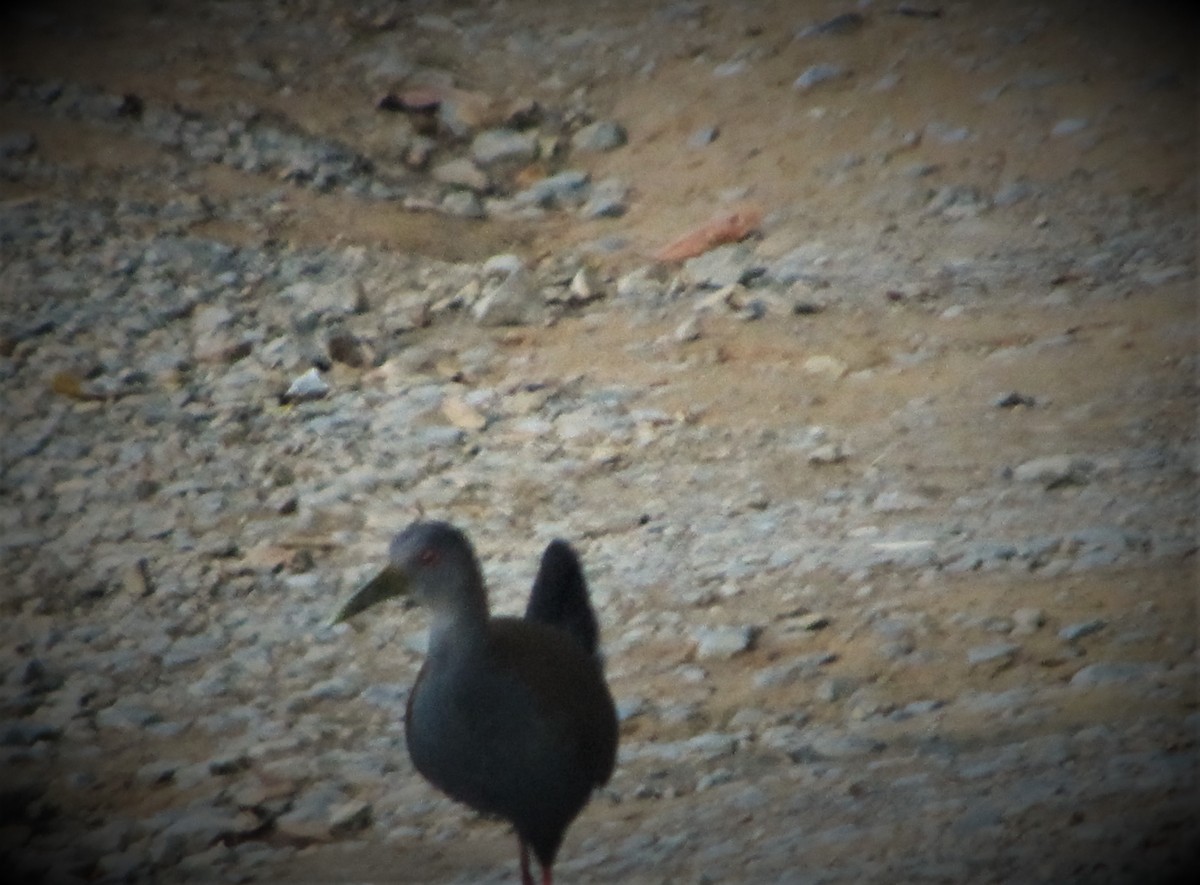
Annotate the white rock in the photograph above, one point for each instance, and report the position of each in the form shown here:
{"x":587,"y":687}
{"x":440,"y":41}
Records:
{"x":722,"y":643}
{"x":309,"y":386}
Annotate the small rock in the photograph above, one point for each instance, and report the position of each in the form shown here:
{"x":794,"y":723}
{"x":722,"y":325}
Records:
{"x":461,"y":173}
{"x":354,"y":814}
{"x":603,"y":135}
{"x":703,"y":137}
{"x":1068,"y":126}
{"x":503,"y":145}
{"x":585,"y":286}
{"x":309,"y":386}
{"x":722,"y":643}
{"x":1027,"y":621}
{"x":607,"y":200}
{"x":566,"y":188}
{"x":1080,"y":629}
{"x":829,"y":453}
{"x":1001,"y":652}
{"x":812,"y":621}
{"x":463,"y":204}
{"x":688,"y":330}
{"x":824,"y":364}
{"x":1114,"y":673}
{"x":844,"y":746}
{"x":817,"y":74}
{"x":511,"y":302}
{"x":1055,"y":471}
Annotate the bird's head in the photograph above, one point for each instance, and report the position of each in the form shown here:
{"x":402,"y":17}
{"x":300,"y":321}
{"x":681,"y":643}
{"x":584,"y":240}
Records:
{"x":431,"y":563}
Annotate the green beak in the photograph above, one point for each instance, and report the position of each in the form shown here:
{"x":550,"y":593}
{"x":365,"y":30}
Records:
{"x":388,"y":584}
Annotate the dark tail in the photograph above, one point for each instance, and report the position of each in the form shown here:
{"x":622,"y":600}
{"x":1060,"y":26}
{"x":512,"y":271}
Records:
{"x":560,"y":596}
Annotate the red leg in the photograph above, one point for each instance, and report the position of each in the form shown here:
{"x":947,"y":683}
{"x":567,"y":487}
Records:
{"x":547,"y":876}
{"x":526,"y":875}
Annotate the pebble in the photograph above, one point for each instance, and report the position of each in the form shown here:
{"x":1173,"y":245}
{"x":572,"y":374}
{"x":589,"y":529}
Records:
{"x":702,"y":137}
{"x":603,"y":135}
{"x":999,"y":652}
{"x":1114,"y":673}
{"x":816,"y":74}
{"x":1068,"y":126}
{"x":494,"y":146}
{"x":307,"y":387}
{"x":722,"y":643}
{"x":1027,"y":621}
{"x":1054,"y":471}
{"x":462,"y":173}
{"x":511,"y":302}
{"x":1080,"y":629}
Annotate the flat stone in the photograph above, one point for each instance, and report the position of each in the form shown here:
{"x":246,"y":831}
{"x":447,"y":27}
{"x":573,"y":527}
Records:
{"x":816,"y":74}
{"x":996,"y":652}
{"x":307,"y":387}
{"x":603,"y":135}
{"x":1055,"y":470}
{"x":722,"y":643}
{"x":1027,"y":621}
{"x":1114,"y":673}
{"x":1080,"y":629}
{"x":461,"y":172}
{"x":503,"y":145}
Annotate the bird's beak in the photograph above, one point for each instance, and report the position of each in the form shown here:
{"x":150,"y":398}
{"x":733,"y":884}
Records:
{"x":388,"y":584}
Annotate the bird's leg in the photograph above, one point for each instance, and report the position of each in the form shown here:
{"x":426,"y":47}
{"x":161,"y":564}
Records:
{"x":547,"y":876}
{"x":526,"y":875}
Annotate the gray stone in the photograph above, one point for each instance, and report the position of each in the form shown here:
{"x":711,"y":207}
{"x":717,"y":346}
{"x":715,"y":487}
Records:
{"x":725,"y":265}
{"x":603,"y":135}
{"x":1080,"y":629}
{"x":461,"y":173}
{"x":307,"y":387}
{"x":801,"y":667}
{"x":566,"y":188}
{"x":127,"y":716}
{"x":1055,"y":470}
{"x":1000,"y":652}
{"x":463,"y":204}
{"x":503,"y":145}
{"x":607,"y":200}
{"x":1027,"y":621}
{"x":1068,"y":126}
{"x":722,"y":643}
{"x":833,"y":745}
{"x":703,"y":137}
{"x":1114,"y":673}
{"x":511,"y":302}
{"x":354,"y":814}
{"x":816,"y":74}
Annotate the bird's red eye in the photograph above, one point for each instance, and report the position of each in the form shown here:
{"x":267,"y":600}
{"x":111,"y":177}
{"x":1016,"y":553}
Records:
{"x":428,"y":556}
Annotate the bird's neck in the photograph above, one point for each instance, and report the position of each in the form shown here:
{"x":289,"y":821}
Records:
{"x":459,"y":629}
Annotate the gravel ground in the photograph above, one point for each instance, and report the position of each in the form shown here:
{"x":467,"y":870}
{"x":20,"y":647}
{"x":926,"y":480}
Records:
{"x":889,"y":510}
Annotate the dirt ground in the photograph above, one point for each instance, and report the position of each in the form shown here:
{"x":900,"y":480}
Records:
{"x":822,"y":165}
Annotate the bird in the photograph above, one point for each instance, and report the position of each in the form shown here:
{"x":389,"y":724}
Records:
{"x":509,"y":716}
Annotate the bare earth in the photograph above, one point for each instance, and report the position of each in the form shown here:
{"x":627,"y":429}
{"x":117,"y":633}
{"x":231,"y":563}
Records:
{"x":921,"y":351}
